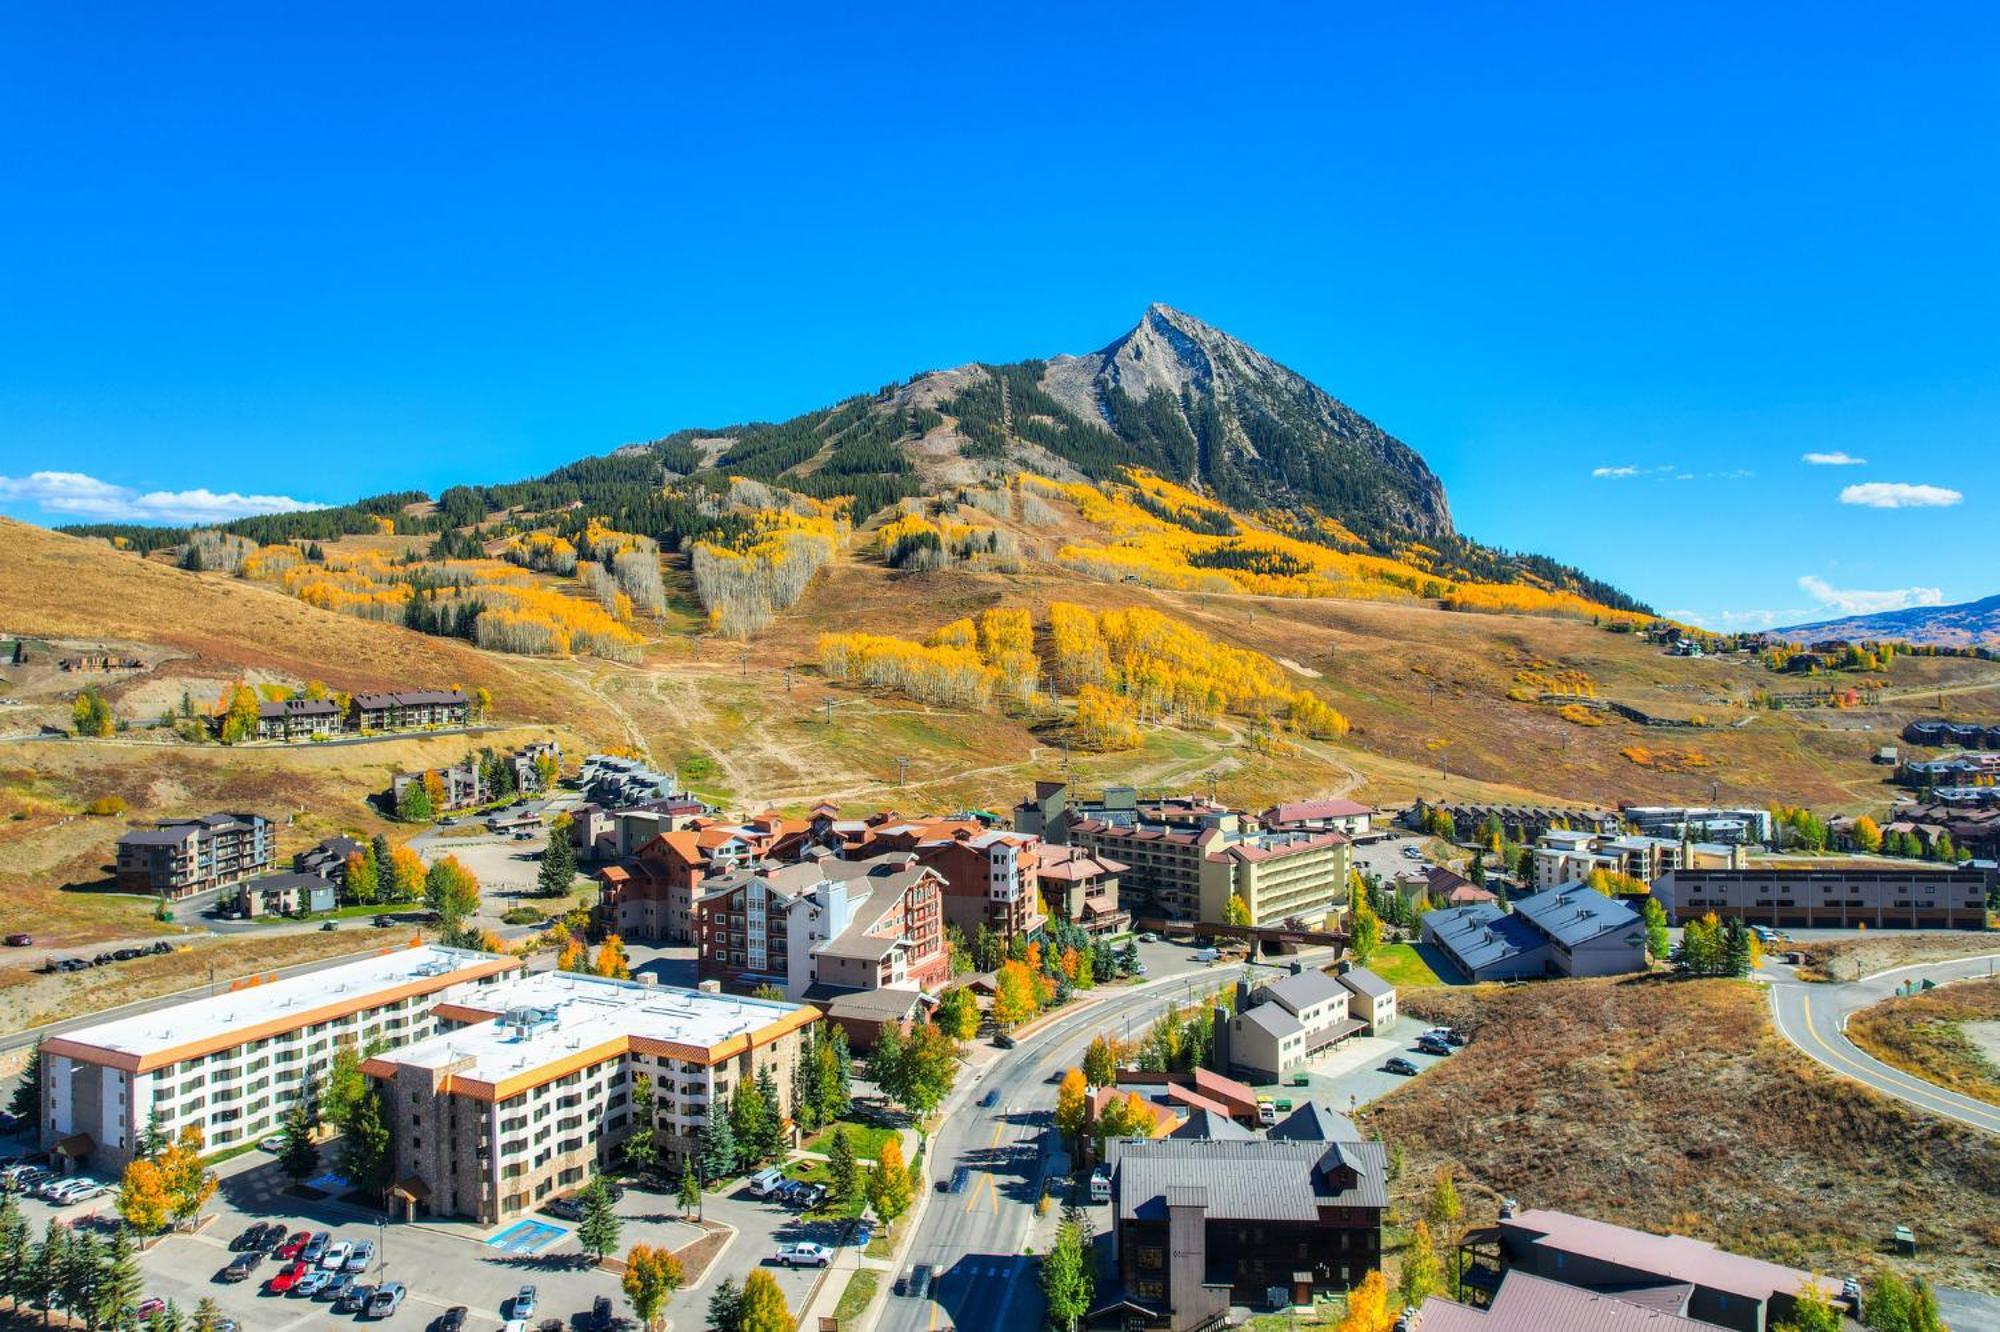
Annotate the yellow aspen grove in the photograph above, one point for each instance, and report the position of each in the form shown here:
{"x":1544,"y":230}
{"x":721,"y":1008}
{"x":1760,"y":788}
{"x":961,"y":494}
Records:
{"x":945,"y":675}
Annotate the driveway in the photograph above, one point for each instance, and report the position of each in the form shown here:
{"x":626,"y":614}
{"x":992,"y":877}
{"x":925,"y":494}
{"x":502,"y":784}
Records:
{"x":1813,"y":1017}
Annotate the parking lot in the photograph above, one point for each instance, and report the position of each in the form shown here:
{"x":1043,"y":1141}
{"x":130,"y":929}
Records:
{"x":447,"y":1263}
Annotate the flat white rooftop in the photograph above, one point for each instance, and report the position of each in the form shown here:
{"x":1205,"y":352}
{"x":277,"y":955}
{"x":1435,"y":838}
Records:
{"x":550,"y":1016}
{"x":179,"y":1031}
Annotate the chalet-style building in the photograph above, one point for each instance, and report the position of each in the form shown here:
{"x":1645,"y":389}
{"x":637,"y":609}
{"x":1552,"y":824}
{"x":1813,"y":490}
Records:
{"x":298,"y":719}
{"x":177,"y":858}
{"x":409,"y":710}
{"x":1200,"y":1224}
{"x":1081,"y":889}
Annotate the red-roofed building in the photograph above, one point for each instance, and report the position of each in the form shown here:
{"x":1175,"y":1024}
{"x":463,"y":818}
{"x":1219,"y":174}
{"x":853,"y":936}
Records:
{"x":1082,"y":889}
{"x":1341,"y":816}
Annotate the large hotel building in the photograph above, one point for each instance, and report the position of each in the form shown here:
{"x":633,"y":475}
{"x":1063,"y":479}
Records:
{"x":528,"y":1087}
{"x":231,"y":1064}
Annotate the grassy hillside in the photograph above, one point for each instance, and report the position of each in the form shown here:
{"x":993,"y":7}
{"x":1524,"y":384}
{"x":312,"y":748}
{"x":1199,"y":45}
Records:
{"x":1671,"y":1105}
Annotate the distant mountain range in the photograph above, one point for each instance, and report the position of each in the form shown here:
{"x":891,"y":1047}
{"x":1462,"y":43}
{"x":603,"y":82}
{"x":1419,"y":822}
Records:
{"x":1970,"y":624}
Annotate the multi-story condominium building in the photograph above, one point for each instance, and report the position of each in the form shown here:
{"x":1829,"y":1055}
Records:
{"x":529,"y":1089}
{"x":470,"y":782}
{"x":298,"y":719}
{"x":1695,"y":823}
{"x":840,"y":924}
{"x":462,"y":784}
{"x":1519,"y":823}
{"x":1570,"y":857}
{"x":1190,"y":873}
{"x":1342,"y":816}
{"x":328,"y":859}
{"x":651,"y":900}
{"x":231,"y":1064}
{"x":408,"y":710}
{"x":1287,"y":1022}
{"x":1081,"y":889}
{"x":1904,"y":896}
{"x":616,"y":782}
{"x":1572,"y":931}
{"x":285,"y":895}
{"x":1200,"y":1224}
{"x":991,"y":878}
{"x":179,"y":857}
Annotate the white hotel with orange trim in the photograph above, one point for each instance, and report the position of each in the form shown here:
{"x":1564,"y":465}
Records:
{"x":528,"y":1086}
{"x":231,"y":1064}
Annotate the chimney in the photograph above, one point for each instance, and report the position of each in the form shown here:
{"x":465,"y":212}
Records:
{"x":709,"y":987}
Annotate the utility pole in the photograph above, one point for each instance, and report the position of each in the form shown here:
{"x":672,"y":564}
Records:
{"x":788,"y":679}
{"x":746,"y":664}
{"x":902,"y":770}
{"x":829,"y":709}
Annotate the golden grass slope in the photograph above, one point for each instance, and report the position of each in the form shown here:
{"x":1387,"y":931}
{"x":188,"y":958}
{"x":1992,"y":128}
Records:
{"x":59,"y":586}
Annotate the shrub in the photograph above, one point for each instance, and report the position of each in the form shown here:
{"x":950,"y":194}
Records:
{"x":106,"y":806}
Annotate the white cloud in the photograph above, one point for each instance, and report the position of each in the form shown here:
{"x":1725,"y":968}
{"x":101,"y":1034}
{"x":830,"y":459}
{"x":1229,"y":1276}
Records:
{"x":1729,"y":620}
{"x":1899,"y":495}
{"x":1860,"y":601}
{"x":80,"y":496}
{"x":1834,"y":459}
{"x":1620,"y":473}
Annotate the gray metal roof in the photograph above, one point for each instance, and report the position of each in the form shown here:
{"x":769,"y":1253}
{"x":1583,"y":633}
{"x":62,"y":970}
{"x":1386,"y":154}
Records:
{"x":1272,"y":1018}
{"x":1363,"y":981}
{"x":1303,"y":990}
{"x":1482,"y":935}
{"x":1576,"y":915}
{"x":1252,"y":1179}
{"x":1313,"y":1122}
{"x":1204,"y":1123}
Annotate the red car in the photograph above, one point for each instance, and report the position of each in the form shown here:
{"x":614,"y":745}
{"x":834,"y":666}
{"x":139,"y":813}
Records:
{"x":20,"y":940}
{"x":147,"y":1308}
{"x":294,"y":1246}
{"x":288,"y":1276}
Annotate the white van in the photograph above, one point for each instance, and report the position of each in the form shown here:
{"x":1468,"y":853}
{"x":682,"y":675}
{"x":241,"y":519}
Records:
{"x":1207,"y":954}
{"x":765,"y":1182}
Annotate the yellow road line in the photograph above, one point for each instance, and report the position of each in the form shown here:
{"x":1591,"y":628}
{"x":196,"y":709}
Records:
{"x":1895,"y":1077}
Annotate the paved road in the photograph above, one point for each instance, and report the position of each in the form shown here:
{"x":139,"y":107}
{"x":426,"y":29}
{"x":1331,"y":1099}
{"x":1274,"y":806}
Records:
{"x":975,"y":1240}
{"x":1814,"y":1018}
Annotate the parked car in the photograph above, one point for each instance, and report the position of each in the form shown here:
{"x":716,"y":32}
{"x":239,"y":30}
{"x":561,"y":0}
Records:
{"x":355,"y":1299}
{"x":286,"y":1277}
{"x":767,"y":1182}
{"x":240,"y":1267}
{"x":272,"y":1145}
{"x":294,"y":1246}
{"x":274,"y":1237}
{"x":1003,"y":1041}
{"x":252,"y":1237}
{"x":1398,"y":1064}
{"x":335,"y":1288}
{"x":453,"y":1319}
{"x":92,"y":1189}
{"x":569,"y":1207}
{"x":524,"y":1302}
{"x":148,"y":1307}
{"x":312,"y":1283}
{"x":361,"y":1256}
{"x":336,"y":1255}
{"x":386,"y":1300}
{"x":20,"y":941}
{"x":316,"y":1246}
{"x":1432,"y":1045}
{"x":1149,"y":937}
{"x":383,"y":922}
{"x":803,"y":1254}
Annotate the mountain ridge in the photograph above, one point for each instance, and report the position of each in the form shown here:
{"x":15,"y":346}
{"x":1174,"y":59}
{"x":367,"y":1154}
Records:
{"x":1965,"y":624}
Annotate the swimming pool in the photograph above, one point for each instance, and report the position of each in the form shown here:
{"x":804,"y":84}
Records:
{"x":526,"y":1237}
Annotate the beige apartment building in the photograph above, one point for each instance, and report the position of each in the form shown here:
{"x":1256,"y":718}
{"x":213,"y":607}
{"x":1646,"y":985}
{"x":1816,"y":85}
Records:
{"x":231,"y":1064}
{"x":530,"y":1089}
{"x":1189,"y":873}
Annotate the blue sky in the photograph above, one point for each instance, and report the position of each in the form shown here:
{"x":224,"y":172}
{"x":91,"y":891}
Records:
{"x":1614,"y":274}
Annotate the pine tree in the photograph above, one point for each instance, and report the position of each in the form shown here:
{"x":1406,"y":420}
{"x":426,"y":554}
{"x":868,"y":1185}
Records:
{"x":17,"y":1247}
{"x":598,"y":1231}
{"x":725,"y":1307}
{"x":25,"y":1103}
{"x":772,"y":1139}
{"x":207,"y":1315}
{"x":43,"y":1280}
{"x":842,"y":1170}
{"x":718,"y":1146}
{"x":82,"y":1267}
{"x":300,"y":1155}
{"x":690,"y":1194}
{"x":641,"y":1144}
{"x":364,"y":1145}
{"x":118,"y":1286}
{"x":557,"y":874}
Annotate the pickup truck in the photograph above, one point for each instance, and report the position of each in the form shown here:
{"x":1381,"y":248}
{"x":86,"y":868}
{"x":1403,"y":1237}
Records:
{"x":803,"y":1255}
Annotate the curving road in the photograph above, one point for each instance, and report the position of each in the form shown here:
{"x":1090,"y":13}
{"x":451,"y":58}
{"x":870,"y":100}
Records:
{"x":1813,"y":1017}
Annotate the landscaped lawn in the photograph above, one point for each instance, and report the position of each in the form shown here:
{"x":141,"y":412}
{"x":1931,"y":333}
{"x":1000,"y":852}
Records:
{"x":854,"y":1300}
{"x":865,"y":1139}
{"x":814,"y":1172}
{"x":1403,"y":967}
